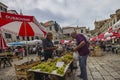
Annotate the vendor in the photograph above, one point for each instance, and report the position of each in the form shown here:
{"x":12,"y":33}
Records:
{"x":48,"y":46}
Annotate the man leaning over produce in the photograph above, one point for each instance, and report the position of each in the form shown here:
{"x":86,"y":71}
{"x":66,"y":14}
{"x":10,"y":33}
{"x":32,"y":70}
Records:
{"x":48,"y":46}
{"x":82,"y":48}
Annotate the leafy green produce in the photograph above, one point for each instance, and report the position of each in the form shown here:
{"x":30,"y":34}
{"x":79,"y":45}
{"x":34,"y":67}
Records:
{"x":61,"y":70}
{"x":50,"y":66}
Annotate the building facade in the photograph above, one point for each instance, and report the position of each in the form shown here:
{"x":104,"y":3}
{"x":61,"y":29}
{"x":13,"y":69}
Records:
{"x":3,"y":7}
{"x":103,"y":25}
{"x":54,"y":27}
{"x":68,"y":30}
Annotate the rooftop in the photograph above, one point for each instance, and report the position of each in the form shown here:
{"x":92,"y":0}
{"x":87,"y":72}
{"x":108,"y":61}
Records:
{"x":48,"y":23}
{"x":68,"y":27}
{"x":3,"y":5}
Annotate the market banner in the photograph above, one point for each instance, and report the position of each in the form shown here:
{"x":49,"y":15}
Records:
{"x":16,"y":17}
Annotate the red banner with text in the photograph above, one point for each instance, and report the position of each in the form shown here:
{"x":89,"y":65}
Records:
{"x":16,"y":17}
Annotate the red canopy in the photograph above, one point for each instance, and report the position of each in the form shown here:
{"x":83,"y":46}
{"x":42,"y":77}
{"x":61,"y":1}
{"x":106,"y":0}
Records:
{"x":94,"y":38}
{"x":117,"y":35}
{"x":110,"y":29}
{"x":21,"y":25}
{"x":101,"y":36}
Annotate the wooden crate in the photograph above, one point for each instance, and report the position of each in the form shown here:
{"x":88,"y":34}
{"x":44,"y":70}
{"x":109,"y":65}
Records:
{"x":98,"y":52}
{"x":22,"y":71}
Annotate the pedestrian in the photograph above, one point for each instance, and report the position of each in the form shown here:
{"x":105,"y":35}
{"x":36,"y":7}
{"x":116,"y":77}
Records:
{"x":23,"y":52}
{"x":48,"y":46}
{"x":39,"y":50}
{"x":20,"y":50}
{"x":34,"y":50}
{"x":16,"y":51}
{"x":82,"y":46}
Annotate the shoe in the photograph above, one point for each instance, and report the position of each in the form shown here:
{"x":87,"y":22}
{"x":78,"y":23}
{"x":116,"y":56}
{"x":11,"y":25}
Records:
{"x":80,"y":76}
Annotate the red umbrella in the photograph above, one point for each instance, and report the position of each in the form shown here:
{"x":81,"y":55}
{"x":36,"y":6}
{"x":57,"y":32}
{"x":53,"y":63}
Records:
{"x":65,"y":41}
{"x":21,"y":25}
{"x":117,"y":35}
{"x":3,"y":44}
{"x":101,"y":36}
{"x":62,"y":41}
{"x":110,"y":29}
{"x":94,"y":38}
{"x":108,"y":34}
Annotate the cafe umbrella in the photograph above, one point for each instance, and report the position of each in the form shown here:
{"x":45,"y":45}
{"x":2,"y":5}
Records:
{"x":3,"y":44}
{"x":21,"y":25}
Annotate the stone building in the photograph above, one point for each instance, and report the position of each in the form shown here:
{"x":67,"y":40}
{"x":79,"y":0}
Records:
{"x":104,"y":25}
{"x":3,"y":7}
{"x":54,"y":27}
{"x":82,"y":30}
{"x":68,"y":30}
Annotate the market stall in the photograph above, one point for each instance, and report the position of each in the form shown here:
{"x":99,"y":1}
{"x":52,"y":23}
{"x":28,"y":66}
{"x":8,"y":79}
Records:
{"x":54,"y":68}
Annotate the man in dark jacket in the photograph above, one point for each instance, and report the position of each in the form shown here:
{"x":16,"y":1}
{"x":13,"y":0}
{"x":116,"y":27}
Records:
{"x":48,"y":46}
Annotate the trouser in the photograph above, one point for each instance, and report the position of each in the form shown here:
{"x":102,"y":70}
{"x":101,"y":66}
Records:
{"x":83,"y":63}
{"x":47,"y":55}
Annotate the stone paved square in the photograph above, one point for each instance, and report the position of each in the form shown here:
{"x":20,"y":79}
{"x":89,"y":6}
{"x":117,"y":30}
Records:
{"x":106,"y":67}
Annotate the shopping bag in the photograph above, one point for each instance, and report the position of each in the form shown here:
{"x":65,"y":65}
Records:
{"x":76,"y":56}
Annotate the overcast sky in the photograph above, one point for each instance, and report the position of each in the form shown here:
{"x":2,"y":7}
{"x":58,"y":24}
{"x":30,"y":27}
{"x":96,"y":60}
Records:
{"x":66,"y":12}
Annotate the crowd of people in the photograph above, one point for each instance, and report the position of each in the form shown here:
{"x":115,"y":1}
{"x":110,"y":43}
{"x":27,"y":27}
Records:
{"x":106,"y":46}
{"x":46,"y":49}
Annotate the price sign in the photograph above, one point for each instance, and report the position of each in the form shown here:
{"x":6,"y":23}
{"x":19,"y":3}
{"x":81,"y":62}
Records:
{"x":59,"y":64}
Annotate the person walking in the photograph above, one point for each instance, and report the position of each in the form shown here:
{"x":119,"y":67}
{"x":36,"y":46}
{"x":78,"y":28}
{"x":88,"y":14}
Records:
{"x":83,"y":50}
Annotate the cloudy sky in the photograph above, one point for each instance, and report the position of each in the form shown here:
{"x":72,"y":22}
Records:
{"x":66,"y":12}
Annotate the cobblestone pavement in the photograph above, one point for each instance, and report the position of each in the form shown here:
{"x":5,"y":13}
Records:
{"x":106,"y":67}
{"x":9,"y":72}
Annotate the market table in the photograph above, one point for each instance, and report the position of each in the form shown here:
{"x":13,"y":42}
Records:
{"x":53,"y":75}
{"x":5,"y":54}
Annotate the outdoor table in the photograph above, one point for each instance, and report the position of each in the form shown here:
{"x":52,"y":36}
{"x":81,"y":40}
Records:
{"x":58,"y":76}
